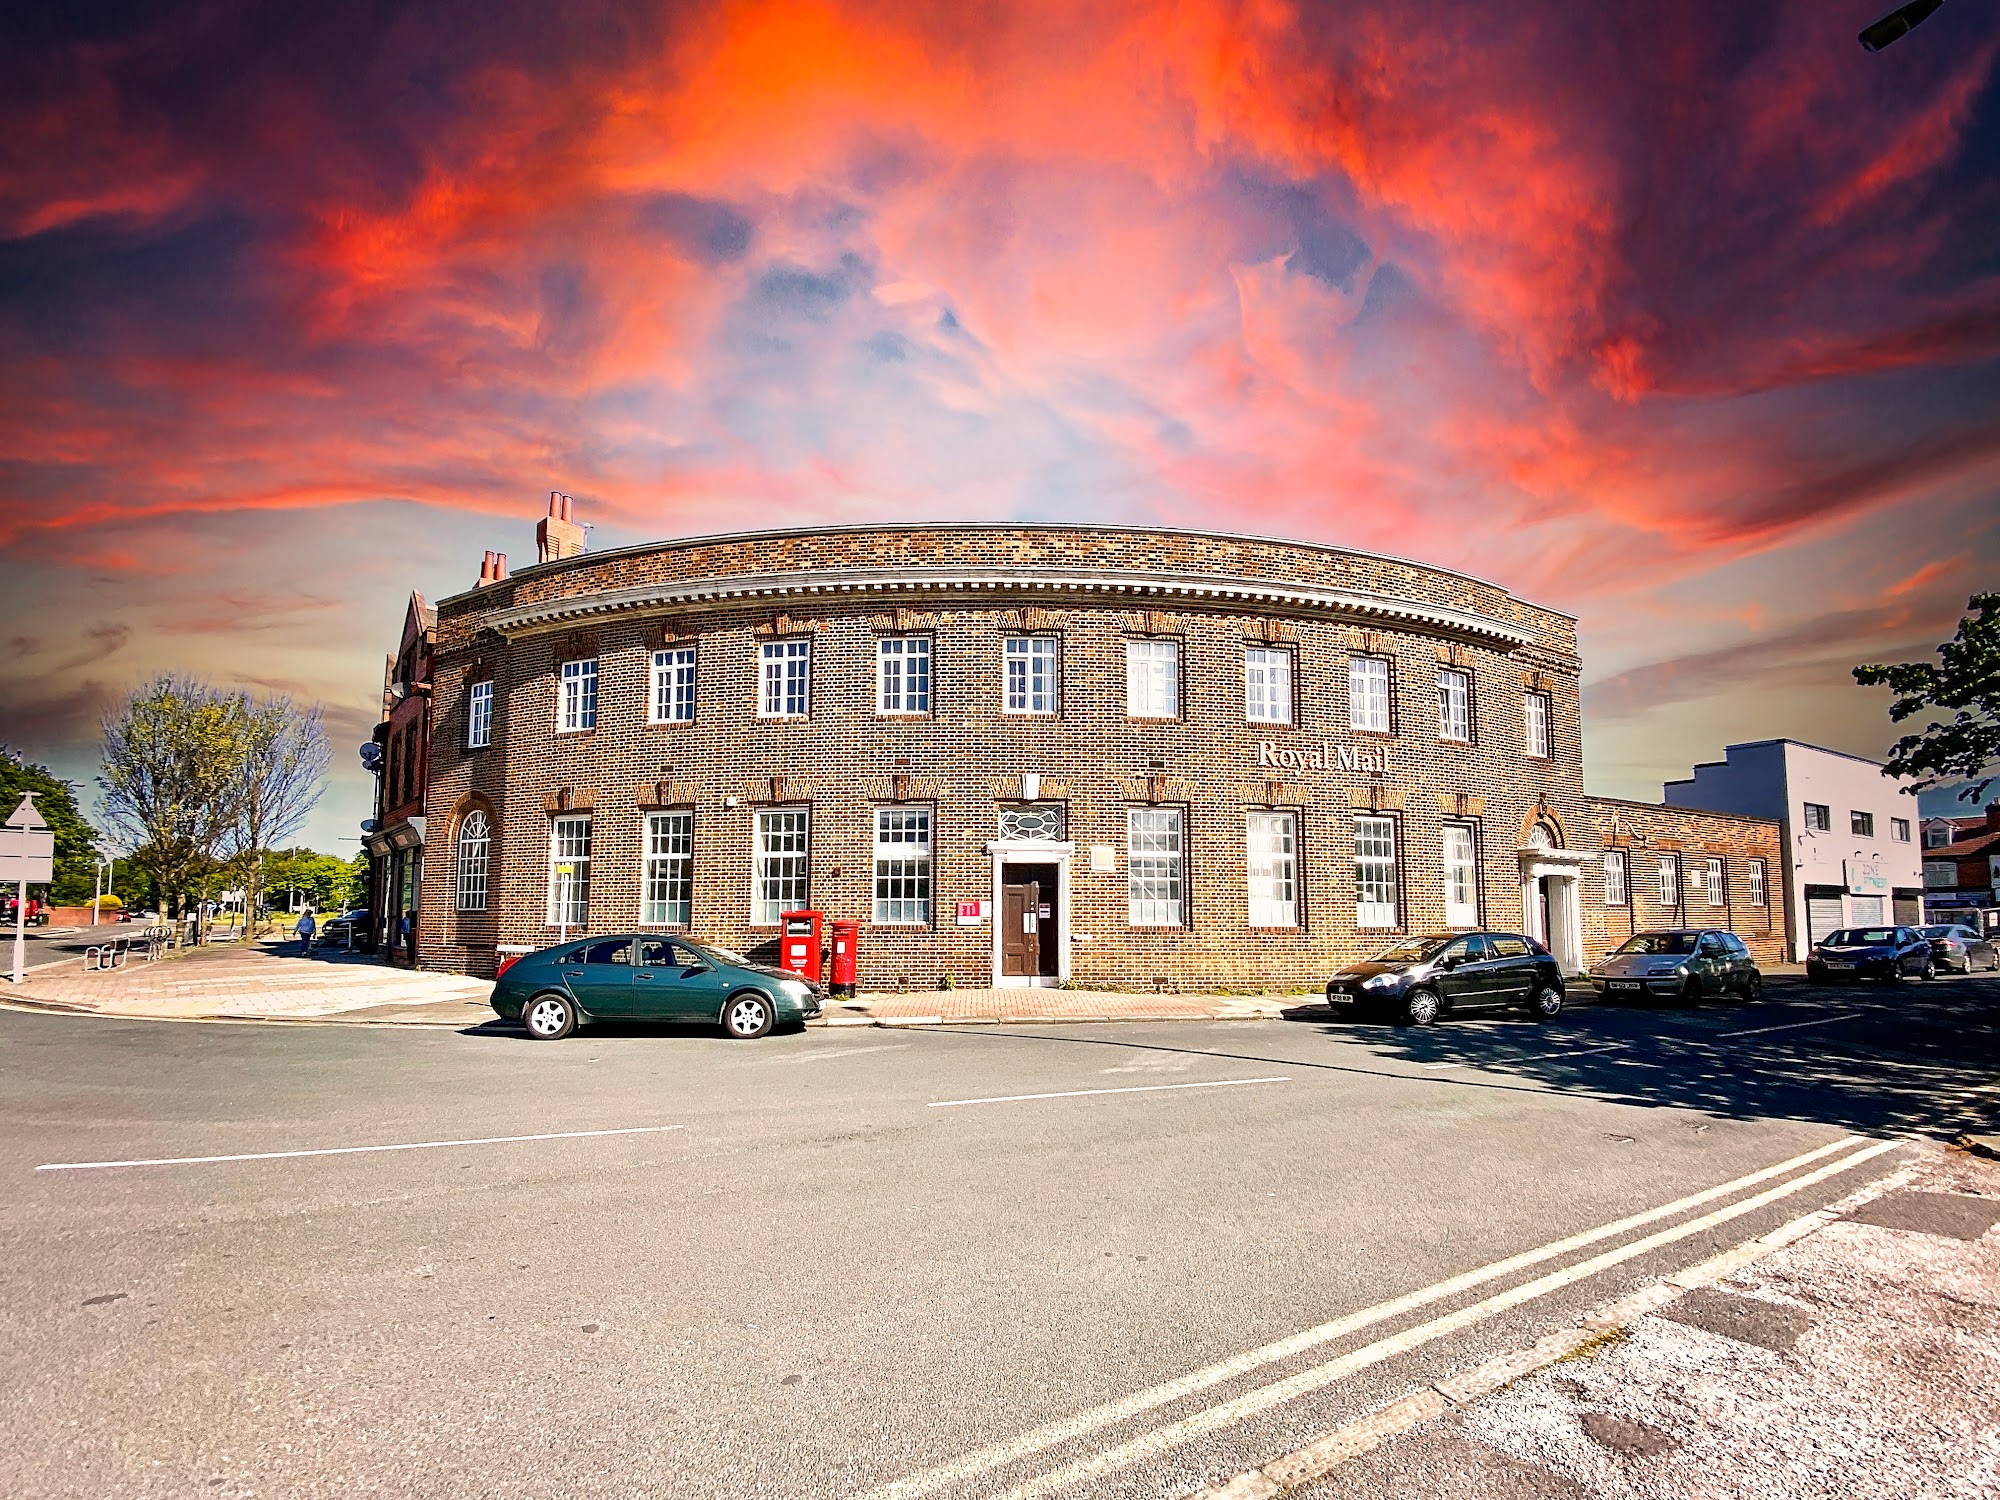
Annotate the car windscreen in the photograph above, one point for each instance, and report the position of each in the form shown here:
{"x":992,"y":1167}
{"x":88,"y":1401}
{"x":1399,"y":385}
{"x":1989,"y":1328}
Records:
{"x":1413,"y":950}
{"x":1943,"y":932}
{"x":1659,"y":942}
{"x":1860,"y":937}
{"x":717,"y":955}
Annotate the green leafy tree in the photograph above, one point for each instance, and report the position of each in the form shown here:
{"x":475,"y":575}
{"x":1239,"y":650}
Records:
{"x":354,"y":883}
{"x":76,"y":841}
{"x":172,"y":760}
{"x":280,"y":773}
{"x":1965,"y":685}
{"x":318,"y":880}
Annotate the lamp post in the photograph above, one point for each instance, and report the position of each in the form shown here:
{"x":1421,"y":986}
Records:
{"x":100,"y":884}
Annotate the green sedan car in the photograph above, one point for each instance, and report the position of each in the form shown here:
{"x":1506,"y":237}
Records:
{"x":645,"y":977}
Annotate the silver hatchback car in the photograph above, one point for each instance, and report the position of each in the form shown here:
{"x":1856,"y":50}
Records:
{"x":1681,"y":963}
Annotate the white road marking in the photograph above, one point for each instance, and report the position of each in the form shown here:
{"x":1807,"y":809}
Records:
{"x":1845,"y":1015}
{"x":487,"y":1140}
{"x":1229,"y":1413}
{"x":1067,"y":1429}
{"x":836,"y":1052}
{"x":1147,"y":1088}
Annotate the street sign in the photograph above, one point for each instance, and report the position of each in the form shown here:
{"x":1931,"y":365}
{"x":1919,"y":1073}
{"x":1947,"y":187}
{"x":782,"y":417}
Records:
{"x":27,"y":855}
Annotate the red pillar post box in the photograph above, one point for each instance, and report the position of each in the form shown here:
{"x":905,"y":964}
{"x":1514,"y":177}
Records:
{"x":799,"y":936}
{"x":846,"y":937}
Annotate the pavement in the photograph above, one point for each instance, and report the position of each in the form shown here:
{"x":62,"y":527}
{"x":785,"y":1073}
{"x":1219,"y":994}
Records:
{"x":1124,"y":1262}
{"x":1860,"y":1358}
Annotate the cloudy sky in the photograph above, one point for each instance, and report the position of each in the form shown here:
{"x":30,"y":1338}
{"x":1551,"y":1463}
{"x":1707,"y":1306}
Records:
{"x":1682,"y":317}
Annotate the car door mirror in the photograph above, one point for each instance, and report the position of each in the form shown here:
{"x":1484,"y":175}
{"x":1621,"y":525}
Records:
{"x":694,"y":970}
{"x":1451,"y":961}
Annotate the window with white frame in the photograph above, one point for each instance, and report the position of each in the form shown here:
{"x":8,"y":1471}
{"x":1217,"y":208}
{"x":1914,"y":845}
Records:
{"x":673,"y":685}
{"x":903,"y":674}
{"x":1454,"y":705}
{"x":1940,"y":874}
{"x":576,"y":700}
{"x":1368,"y":693}
{"x":475,"y":845}
{"x":1757,"y":890}
{"x":1614,"y":878}
{"x":784,"y":850}
{"x":1461,"y":876}
{"x":1670,"y":881}
{"x":1031,"y":674}
{"x":1154,"y":867}
{"x":1535,"y":717}
{"x":902,"y":866}
{"x":1937,"y":835}
{"x":1819,"y":817}
{"x":1273,"y":846}
{"x":569,"y":871}
{"x":1153,"y":679}
{"x":1899,"y":830}
{"x":785,"y":679}
{"x":1267,"y":685}
{"x":479,"y":716}
{"x":1374,"y":872}
{"x":1716,"y":875}
{"x":1861,"y":824}
{"x":667,"y":899}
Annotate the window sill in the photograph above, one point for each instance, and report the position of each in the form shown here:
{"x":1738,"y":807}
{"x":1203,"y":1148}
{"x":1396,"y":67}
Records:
{"x":1025,"y":713}
{"x":669,"y":723}
{"x":587,"y":729}
{"x":1375,"y":734}
{"x":907,"y":714}
{"x":783,"y":718}
{"x":1153,"y":719}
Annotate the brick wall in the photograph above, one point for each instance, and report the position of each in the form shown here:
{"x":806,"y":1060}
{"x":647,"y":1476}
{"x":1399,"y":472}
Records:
{"x":1646,"y":833}
{"x":966,"y":758}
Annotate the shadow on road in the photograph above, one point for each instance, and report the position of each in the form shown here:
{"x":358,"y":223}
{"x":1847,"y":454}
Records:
{"x":1918,"y":1059}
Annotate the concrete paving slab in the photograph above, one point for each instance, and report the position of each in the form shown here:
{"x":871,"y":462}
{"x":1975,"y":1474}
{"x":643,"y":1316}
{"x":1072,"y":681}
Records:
{"x":1957,"y":1215}
{"x":1750,"y":1320}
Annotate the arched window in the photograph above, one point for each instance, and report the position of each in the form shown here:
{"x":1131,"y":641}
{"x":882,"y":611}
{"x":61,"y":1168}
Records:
{"x":475,"y":842}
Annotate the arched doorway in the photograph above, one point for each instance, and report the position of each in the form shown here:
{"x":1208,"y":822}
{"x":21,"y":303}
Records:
{"x":1551,"y":910}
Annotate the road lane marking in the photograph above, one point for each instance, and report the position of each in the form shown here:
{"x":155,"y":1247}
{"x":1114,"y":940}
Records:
{"x":487,"y":1140}
{"x":1068,"y":1429}
{"x":1846,"y":1015}
{"x":796,"y":1057}
{"x":1499,"y":1061}
{"x":1279,"y":1393}
{"x":1147,"y":1088}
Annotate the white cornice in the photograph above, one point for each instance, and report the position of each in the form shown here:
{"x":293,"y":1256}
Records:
{"x":1027,"y":582}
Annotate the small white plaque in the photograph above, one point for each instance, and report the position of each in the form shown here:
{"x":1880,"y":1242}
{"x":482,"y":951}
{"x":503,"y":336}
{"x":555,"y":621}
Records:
{"x":1103,"y":859}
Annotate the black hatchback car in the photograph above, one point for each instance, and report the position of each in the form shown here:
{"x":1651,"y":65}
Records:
{"x":1890,"y":953}
{"x":1422,"y":978}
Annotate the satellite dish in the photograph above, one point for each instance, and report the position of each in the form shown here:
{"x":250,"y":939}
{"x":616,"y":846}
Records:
{"x":371,"y":755}
{"x":369,"y":825}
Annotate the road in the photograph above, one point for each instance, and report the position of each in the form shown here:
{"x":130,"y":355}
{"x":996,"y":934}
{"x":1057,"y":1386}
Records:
{"x":950,"y":1262}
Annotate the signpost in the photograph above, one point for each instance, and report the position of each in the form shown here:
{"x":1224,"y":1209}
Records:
{"x":27,"y":853}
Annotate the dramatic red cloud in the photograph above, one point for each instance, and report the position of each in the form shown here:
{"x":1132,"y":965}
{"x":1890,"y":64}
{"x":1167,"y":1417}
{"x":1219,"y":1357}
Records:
{"x":1604,"y":303}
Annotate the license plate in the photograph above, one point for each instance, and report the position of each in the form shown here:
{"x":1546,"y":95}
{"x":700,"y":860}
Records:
{"x":1624,"y":984}
{"x":1835,"y":963}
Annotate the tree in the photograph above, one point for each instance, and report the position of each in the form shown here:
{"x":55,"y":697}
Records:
{"x":280,"y":773}
{"x":76,"y":841}
{"x":172,"y":760}
{"x":319,"y":879}
{"x":1966,"y":681}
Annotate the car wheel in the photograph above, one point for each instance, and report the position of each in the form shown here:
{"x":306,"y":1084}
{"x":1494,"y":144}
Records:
{"x":1420,"y":1007}
{"x":1691,"y":991}
{"x":747,"y":1016}
{"x":1545,"y":1002}
{"x":550,"y":1017}
{"x":1929,"y":970}
{"x":1753,"y":986}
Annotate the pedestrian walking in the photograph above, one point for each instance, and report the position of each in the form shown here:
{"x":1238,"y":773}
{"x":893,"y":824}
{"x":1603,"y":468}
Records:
{"x":306,"y":928}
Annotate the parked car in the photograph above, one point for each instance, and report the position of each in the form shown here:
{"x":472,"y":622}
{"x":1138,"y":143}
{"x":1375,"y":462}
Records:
{"x":1889,"y":953}
{"x":643,"y":976}
{"x":351,"y":929}
{"x":1422,"y":978}
{"x":1684,"y":963}
{"x":1962,"y":950}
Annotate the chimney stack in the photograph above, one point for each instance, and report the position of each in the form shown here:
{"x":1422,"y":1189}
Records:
{"x":1992,"y":815}
{"x":558,"y":535}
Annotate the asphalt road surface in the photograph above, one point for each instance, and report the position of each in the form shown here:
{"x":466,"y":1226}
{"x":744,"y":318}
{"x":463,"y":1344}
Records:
{"x":1095,"y":1261}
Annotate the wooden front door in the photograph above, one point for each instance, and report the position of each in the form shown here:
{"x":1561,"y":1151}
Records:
{"x":1021,"y":928}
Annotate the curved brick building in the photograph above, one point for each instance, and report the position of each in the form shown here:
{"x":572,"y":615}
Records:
{"x":1015,"y":754}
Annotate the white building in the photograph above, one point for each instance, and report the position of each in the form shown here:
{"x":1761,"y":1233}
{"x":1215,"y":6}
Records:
{"x":1850,"y":831}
